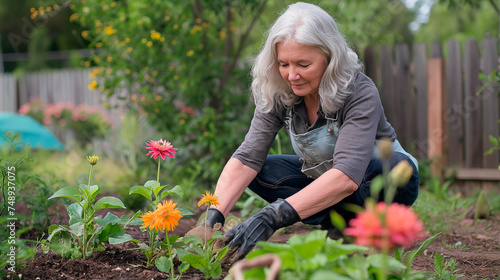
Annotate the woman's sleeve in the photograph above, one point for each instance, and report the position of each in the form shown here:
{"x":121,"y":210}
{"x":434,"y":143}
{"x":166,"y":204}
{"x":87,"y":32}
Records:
{"x":259,"y":139}
{"x":360,"y":117}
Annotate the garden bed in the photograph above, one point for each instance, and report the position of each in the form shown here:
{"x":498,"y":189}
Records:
{"x":474,"y":244}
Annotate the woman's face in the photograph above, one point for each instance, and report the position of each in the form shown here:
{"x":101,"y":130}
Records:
{"x":301,"y":66}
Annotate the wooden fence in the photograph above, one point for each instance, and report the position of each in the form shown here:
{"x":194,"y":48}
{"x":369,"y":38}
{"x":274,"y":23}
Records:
{"x":69,"y":85}
{"x":432,"y":101}
{"x":49,"y":87}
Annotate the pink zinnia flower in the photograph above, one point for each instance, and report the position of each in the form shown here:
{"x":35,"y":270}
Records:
{"x":395,"y":225}
{"x":160,"y":148}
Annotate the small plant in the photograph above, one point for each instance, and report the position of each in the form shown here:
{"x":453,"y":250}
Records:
{"x":205,"y":254}
{"x":445,"y":270}
{"x":87,"y":233}
{"x":164,"y":216}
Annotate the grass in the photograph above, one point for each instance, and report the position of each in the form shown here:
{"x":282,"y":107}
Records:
{"x":438,"y":212}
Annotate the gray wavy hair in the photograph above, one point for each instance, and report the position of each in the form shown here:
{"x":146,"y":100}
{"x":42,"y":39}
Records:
{"x":308,"y":25}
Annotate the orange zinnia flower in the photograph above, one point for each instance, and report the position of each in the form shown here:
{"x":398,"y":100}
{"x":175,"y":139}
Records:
{"x":209,"y":199}
{"x":166,"y":216}
{"x":160,"y":148}
{"x":148,"y":219}
{"x":395,"y":225}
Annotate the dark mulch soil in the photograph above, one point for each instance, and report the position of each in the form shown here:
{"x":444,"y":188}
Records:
{"x":475,"y":244}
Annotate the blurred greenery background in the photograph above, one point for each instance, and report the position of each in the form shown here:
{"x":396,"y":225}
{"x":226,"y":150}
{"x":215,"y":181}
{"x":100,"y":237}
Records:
{"x":179,"y":70}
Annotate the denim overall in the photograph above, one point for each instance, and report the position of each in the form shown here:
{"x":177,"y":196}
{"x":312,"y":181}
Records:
{"x":316,"y":147}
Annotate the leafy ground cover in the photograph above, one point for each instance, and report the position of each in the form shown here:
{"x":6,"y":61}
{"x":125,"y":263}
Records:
{"x":469,"y":246}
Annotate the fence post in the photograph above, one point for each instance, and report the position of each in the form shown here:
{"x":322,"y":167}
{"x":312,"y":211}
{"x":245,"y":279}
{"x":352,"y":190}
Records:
{"x":436,"y":100}
{"x":472,"y":107}
{"x":454,"y":106}
{"x":489,"y":99}
{"x":420,"y":94}
{"x":387,"y":86}
{"x":405,"y":97}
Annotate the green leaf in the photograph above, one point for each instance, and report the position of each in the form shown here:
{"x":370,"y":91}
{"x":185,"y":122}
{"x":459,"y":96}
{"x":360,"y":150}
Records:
{"x":196,"y":261}
{"x":121,"y":238}
{"x":192,"y":239}
{"x":392,"y":264}
{"x":398,"y":254}
{"x":438,"y":262}
{"x":307,"y":246}
{"x":335,"y":249}
{"x":108,"y":219}
{"x":171,"y":239}
{"x":142,"y":190}
{"x":177,"y":190}
{"x":337,"y":220}
{"x":183,"y":267}
{"x":109,"y":202}
{"x":85,"y":189}
{"x":68,"y":192}
{"x":185,"y":213}
{"x":135,"y":220}
{"x":110,"y":230}
{"x":77,"y":229}
{"x":377,"y":185}
{"x":494,"y":140}
{"x":215,"y":270}
{"x":75,"y":213}
{"x":217,"y":235}
{"x":53,"y":229}
{"x":61,"y":244}
{"x":163,"y":264}
{"x":154,"y":186}
{"x":221,"y":254}
{"x":93,"y":192}
{"x":414,"y":253}
{"x":328,"y":275}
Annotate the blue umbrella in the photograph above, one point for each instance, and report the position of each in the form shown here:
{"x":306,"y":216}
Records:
{"x":32,"y":132}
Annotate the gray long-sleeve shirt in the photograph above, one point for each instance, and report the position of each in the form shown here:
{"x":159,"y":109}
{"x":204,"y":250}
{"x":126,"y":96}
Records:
{"x":361,"y":121}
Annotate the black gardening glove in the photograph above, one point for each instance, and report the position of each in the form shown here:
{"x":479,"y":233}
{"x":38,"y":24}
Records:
{"x":260,"y":227}
{"x":214,"y":216}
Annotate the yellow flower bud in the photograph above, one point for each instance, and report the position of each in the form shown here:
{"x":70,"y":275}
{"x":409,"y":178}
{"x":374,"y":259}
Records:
{"x":93,"y":159}
{"x":384,"y":147}
{"x":401,"y":173}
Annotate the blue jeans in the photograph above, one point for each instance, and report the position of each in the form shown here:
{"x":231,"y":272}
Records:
{"x":280,"y":177}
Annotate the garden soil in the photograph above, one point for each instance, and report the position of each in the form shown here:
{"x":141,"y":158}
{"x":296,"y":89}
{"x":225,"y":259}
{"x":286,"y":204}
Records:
{"x":474,"y":244}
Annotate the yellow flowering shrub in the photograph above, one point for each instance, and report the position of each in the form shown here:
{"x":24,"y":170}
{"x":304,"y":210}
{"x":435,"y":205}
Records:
{"x":178,"y":62}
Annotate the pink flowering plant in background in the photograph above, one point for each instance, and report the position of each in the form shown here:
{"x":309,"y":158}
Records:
{"x":84,"y":120}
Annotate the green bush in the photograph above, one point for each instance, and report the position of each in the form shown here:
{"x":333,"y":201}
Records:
{"x":179,"y":64}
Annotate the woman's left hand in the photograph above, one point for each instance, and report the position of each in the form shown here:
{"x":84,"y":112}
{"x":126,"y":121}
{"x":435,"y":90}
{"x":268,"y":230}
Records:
{"x":260,"y":227}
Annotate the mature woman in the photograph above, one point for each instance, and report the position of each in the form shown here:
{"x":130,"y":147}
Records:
{"x":307,"y":79}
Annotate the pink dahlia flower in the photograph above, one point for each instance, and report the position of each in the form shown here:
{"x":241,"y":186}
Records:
{"x":160,"y":148}
{"x":395,"y":225}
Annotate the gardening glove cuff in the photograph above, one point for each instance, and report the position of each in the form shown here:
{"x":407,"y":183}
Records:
{"x":214,"y":216}
{"x":260,"y":227}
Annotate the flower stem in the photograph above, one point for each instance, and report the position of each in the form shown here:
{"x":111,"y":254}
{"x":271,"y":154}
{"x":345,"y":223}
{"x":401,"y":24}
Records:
{"x":85,"y":232}
{"x":170,"y":256}
{"x":152,"y":239}
{"x":206,"y":219}
{"x":158,"y":173}
{"x":90,"y":175}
